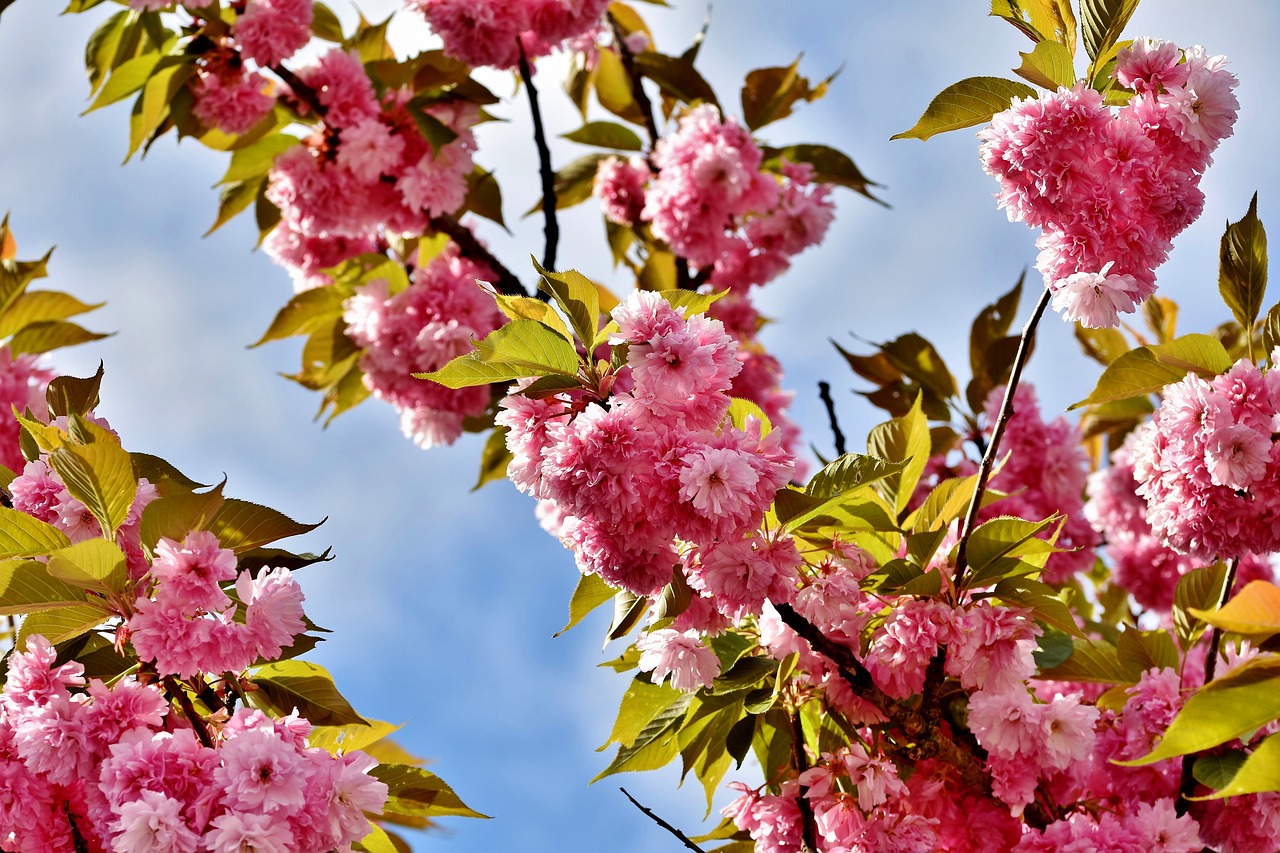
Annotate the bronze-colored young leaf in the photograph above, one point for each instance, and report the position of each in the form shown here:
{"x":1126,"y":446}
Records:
{"x":573,"y":182}
{"x":243,"y":526}
{"x":970,"y":102}
{"x":676,"y":77}
{"x":1242,"y":267}
{"x":830,"y":166}
{"x":1102,"y":345}
{"x":68,"y":395}
{"x":40,"y":306}
{"x":415,"y":791}
{"x":770,"y":94}
{"x":49,"y":335}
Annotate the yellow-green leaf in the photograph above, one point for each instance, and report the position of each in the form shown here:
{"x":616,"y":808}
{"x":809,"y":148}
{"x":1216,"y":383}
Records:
{"x":1259,"y":772}
{"x":26,"y":587}
{"x":97,"y":565}
{"x":99,"y":475}
{"x":970,"y":102}
{"x":1048,"y":65}
{"x":1253,"y":610}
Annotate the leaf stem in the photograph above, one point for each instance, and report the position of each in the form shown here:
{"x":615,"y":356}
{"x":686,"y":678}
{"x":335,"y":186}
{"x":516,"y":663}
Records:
{"x":551,"y":227}
{"x":1002,"y":421}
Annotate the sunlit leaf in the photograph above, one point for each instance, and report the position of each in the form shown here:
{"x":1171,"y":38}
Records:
{"x":307,"y":687}
{"x":1253,"y":610}
{"x":967,"y":103}
{"x":1242,"y":268}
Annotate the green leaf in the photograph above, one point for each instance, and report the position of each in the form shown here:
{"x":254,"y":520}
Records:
{"x":351,"y":736}
{"x":676,"y":77}
{"x":1271,"y":333}
{"x":165,"y":477}
{"x":690,"y":301}
{"x":43,"y":337}
{"x":1093,"y":661}
{"x":304,"y":313}
{"x":1102,"y":345}
{"x":234,"y":198}
{"x":24,"y":536}
{"x":177,"y":515}
{"x":741,"y":410}
{"x":26,"y":587}
{"x":63,"y":623}
{"x":254,"y":161}
{"x":99,"y":475}
{"x":242,"y":526}
{"x":1134,"y":374}
{"x":1053,"y":649}
{"x":830,"y":166}
{"x":967,"y":103}
{"x":307,"y":687}
{"x":96,"y":565}
{"x":1102,"y":21}
{"x":906,"y":440}
{"x":494,"y":458}
{"x":1242,"y":267}
{"x":1043,"y":600}
{"x":850,"y":471}
{"x":628,"y":610}
{"x":1203,"y":355}
{"x":437,"y":133}
{"x":40,"y":306}
{"x":528,"y":308}
{"x":613,"y":88}
{"x":1048,"y":65}
{"x":1224,"y":709}
{"x":641,"y":704}
{"x":126,"y":79}
{"x":590,"y":593}
{"x":655,"y":744}
{"x":325,"y":24}
{"x":520,"y":348}
{"x":414,"y":791}
{"x":573,"y":182}
{"x":152,"y":106}
{"x":1143,"y":650}
{"x":484,"y":196}
{"x":577,"y":296}
{"x":377,"y":841}
{"x":100,"y":51}
{"x":1217,"y":771}
{"x":1257,"y":773}
{"x":606,"y":134}
{"x":1198,"y":589}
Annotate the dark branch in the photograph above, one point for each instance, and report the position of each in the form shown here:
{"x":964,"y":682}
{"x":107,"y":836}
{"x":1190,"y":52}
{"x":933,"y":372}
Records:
{"x":184,"y":701}
{"x":1187,"y":787}
{"x":1002,"y":421}
{"x":552,"y":227}
{"x":809,"y":829}
{"x":301,"y":91}
{"x":637,"y":81}
{"x":472,"y":248}
{"x":662,"y":823}
{"x":824,"y":393}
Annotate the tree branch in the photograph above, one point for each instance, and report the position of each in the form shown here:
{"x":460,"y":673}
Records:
{"x":662,"y":823}
{"x":809,"y":829}
{"x":1002,"y":421}
{"x":472,"y":248}
{"x":1187,"y":786}
{"x":551,"y":228}
{"x":184,"y":701}
{"x":637,"y":81}
{"x":824,"y":394}
{"x":302,"y":91}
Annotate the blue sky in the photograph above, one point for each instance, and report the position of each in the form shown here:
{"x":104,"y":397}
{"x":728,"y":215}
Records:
{"x":444,"y":601}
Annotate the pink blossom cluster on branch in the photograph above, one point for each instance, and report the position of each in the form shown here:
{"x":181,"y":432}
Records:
{"x":1209,"y":468}
{"x":23,"y":381}
{"x":418,"y":330}
{"x":629,"y":474}
{"x":87,"y":766}
{"x":494,"y":33}
{"x":1111,"y":189}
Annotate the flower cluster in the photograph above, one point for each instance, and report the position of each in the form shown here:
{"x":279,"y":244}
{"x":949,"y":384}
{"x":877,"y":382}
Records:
{"x":22,"y":386}
{"x":1209,"y":468}
{"x":1112,"y":189}
{"x":1140,"y":562}
{"x":88,"y":766}
{"x":658,"y":463}
{"x":418,"y":330}
{"x":496,"y":32}
{"x":709,"y":200}
{"x":367,"y":172}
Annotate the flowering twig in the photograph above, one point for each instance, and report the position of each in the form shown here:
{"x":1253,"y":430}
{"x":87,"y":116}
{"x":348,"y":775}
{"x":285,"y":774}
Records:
{"x":662,"y":823}
{"x":1187,"y":786}
{"x":824,"y":394}
{"x":993,"y":447}
{"x":809,"y":828}
{"x":551,"y":227}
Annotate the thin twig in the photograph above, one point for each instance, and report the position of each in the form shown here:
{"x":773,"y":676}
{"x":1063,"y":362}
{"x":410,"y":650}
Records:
{"x":551,"y":227}
{"x":475,"y":250}
{"x":662,"y":823}
{"x":824,"y":393}
{"x":1187,"y":786}
{"x":301,"y":90}
{"x":1002,"y":421}
{"x":184,"y":701}
{"x":77,"y":840}
{"x":637,"y":81}
{"x":808,"y":827}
